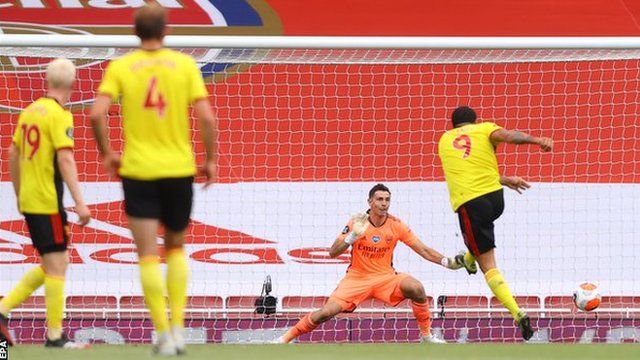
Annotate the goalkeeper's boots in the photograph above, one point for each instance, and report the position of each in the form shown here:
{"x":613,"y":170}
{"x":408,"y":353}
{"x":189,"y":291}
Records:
{"x":471,"y":268}
{"x":4,"y":330}
{"x":64,"y":343}
{"x":432,"y":339}
{"x":178,"y":339}
{"x":524,"y":323}
{"x":165,"y":346}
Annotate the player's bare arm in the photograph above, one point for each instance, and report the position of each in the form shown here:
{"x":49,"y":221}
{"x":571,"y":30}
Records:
{"x":338,"y":248}
{"x":69,"y":172}
{"x":98,"y":117}
{"x":14,"y":170}
{"x":519,"y":138}
{"x":434,"y":256}
{"x":208,"y":132}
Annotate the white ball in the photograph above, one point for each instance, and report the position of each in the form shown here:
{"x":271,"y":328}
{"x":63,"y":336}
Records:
{"x":587,"y":297}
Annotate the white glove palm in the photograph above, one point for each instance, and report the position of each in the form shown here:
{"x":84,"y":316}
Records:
{"x":450,"y":263}
{"x":360,"y":223}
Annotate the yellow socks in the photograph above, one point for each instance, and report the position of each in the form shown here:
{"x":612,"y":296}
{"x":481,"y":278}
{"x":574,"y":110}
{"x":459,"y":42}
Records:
{"x":469,"y":258}
{"x":501,"y":290}
{"x":153,"y":288}
{"x":54,"y":300}
{"x":177,"y":278}
{"x":29,"y":283}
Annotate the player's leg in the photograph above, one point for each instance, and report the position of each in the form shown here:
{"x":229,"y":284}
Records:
{"x":311,"y":321}
{"x":50,"y":237}
{"x":500,"y":289}
{"x":142,"y":207}
{"x":41,"y":236}
{"x":468,"y":261}
{"x":412,"y":289}
{"x":497,"y":283}
{"x":176,"y":200}
{"x":144,"y":233}
{"x":55,"y":267}
{"x":476,"y":221}
{"x":29,"y":283}
{"x":350,"y":292}
{"x":177,"y":279}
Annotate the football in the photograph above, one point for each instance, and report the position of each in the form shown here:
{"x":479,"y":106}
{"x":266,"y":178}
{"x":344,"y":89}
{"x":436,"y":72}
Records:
{"x":587,"y":297}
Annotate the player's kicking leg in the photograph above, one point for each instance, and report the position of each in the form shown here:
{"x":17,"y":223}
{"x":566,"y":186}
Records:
{"x":467,"y":261}
{"x":476,"y":219}
{"x":500,"y":289}
{"x":311,"y":321}
{"x":413,"y":290}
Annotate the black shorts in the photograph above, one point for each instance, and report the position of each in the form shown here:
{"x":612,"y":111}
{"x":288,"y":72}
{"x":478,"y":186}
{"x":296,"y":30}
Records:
{"x":168,"y":200}
{"x":476,"y":221}
{"x":49,"y":233}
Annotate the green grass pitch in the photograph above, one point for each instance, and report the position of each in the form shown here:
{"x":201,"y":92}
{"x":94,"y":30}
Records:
{"x":345,"y":351}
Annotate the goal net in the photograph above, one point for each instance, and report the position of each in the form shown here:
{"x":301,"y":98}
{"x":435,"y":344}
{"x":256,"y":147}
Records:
{"x":303,"y":135}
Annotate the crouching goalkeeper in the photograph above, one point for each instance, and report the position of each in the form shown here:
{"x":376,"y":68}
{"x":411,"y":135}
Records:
{"x":373,"y":237}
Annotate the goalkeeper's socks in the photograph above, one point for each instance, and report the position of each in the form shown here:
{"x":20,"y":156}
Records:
{"x":501,"y":290}
{"x":153,"y":288}
{"x":422,"y":314}
{"x":305,"y":325}
{"x":29,"y":283}
{"x":54,"y":301}
{"x":177,"y":278}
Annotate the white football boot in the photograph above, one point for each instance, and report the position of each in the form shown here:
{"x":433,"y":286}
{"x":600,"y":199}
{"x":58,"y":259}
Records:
{"x":165,"y":345}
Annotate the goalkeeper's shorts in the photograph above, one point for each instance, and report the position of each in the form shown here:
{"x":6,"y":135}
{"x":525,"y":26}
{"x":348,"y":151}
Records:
{"x":354,"y":289}
{"x":476,"y":221}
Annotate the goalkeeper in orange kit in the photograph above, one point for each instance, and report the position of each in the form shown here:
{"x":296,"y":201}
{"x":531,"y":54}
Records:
{"x":373,"y":237}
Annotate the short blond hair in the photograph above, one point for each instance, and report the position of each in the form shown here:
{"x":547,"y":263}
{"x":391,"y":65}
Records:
{"x":61,"y":73}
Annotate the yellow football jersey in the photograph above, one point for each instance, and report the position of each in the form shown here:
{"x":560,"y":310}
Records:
{"x":156,"y":89}
{"x":469,"y":161}
{"x":43,"y":128}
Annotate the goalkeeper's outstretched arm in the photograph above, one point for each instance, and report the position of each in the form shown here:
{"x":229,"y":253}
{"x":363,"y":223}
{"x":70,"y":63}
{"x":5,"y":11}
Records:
{"x":434,"y":256}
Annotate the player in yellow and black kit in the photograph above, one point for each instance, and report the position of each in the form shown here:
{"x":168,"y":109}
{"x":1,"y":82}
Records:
{"x":156,"y":87}
{"x":40,"y":159}
{"x":475,"y":186}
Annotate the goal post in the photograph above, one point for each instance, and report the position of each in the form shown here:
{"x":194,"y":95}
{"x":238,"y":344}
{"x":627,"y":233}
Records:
{"x":307,"y":125}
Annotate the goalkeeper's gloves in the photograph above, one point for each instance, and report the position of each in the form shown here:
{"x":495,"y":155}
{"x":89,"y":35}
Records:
{"x":450,"y":263}
{"x":360,"y":224}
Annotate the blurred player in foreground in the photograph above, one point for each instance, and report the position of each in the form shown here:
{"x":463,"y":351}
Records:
{"x":373,"y":237}
{"x":475,"y":186}
{"x":156,"y":86}
{"x":40,"y":159}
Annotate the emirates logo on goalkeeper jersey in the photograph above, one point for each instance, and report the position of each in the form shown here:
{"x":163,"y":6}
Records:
{"x":186,"y":17}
